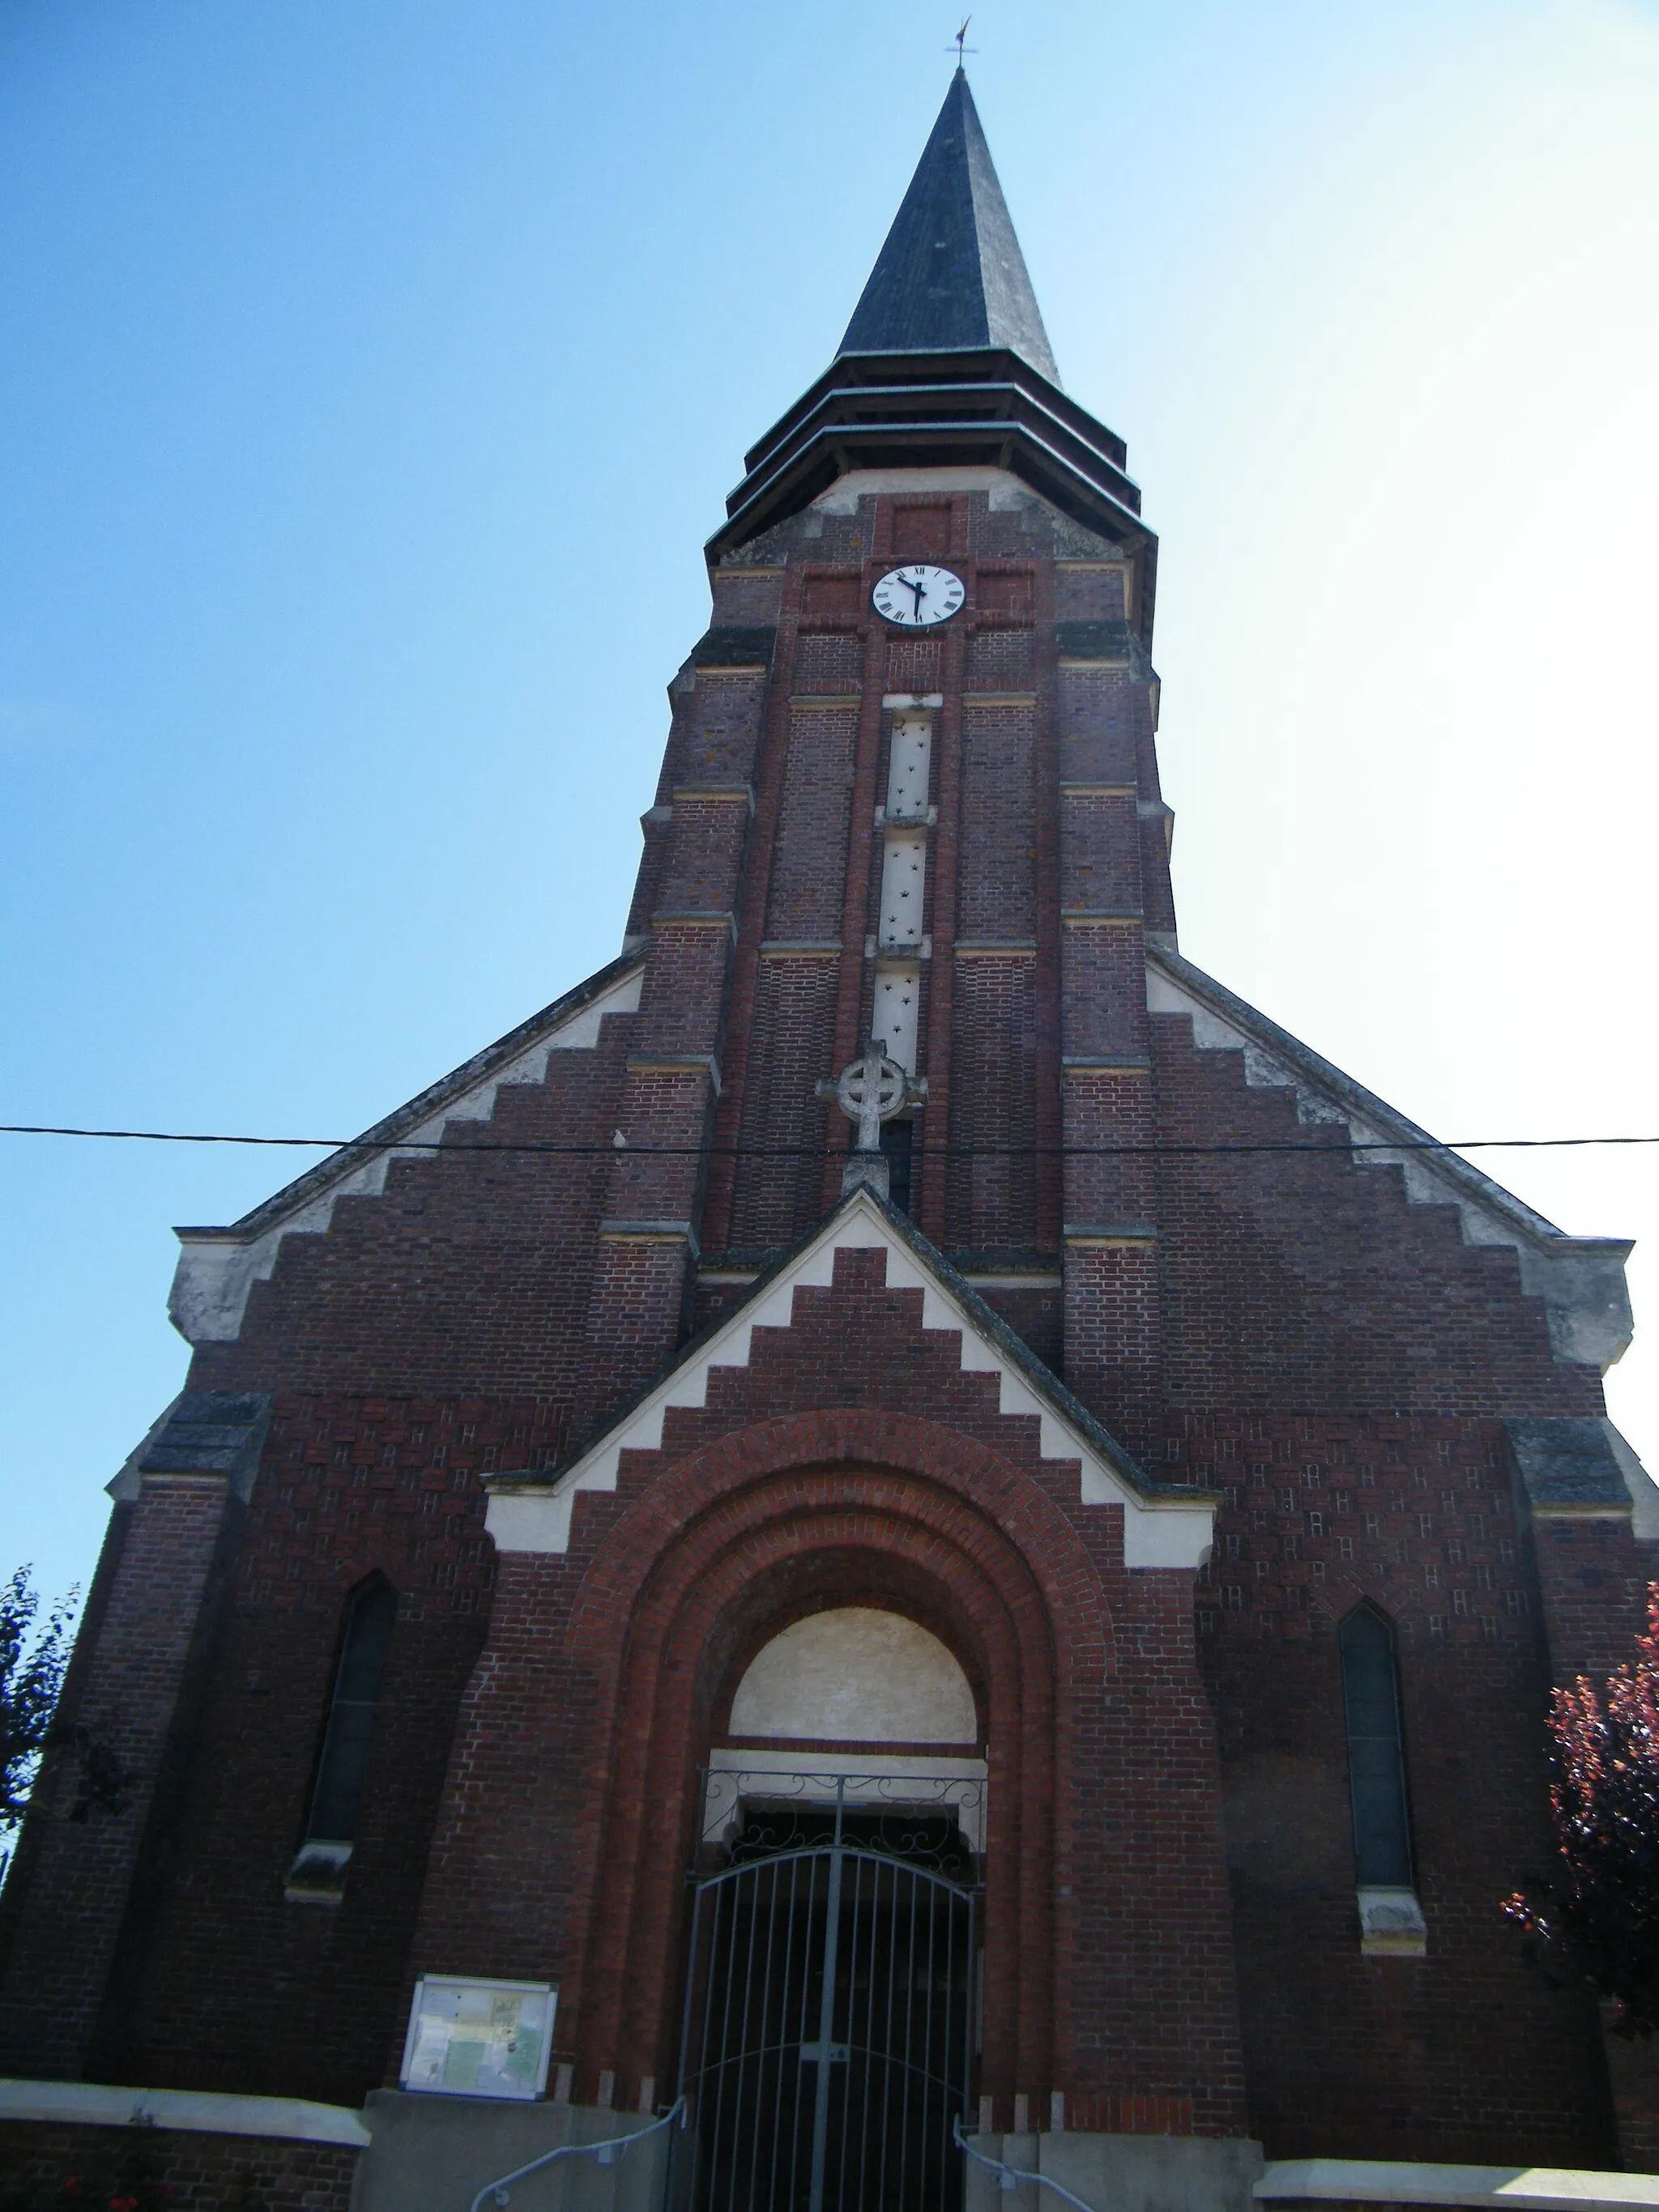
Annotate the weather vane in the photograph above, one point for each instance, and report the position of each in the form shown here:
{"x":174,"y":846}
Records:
{"x":960,"y":42}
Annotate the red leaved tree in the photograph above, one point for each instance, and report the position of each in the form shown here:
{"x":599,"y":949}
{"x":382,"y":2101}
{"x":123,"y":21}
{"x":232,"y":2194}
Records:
{"x":1600,"y":1909}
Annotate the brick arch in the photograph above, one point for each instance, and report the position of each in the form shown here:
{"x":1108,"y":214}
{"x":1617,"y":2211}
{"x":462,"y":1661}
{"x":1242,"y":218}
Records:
{"x":1363,"y":1583}
{"x":905,"y":1443}
{"x":738,"y":1537}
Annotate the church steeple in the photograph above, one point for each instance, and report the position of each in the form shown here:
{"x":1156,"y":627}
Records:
{"x":951,"y":277}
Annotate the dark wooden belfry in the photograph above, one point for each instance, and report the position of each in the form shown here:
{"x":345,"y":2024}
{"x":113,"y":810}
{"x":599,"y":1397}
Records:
{"x":899,"y":1354}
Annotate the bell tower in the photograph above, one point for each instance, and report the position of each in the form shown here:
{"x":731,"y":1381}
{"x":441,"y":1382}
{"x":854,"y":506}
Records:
{"x":921,"y":726}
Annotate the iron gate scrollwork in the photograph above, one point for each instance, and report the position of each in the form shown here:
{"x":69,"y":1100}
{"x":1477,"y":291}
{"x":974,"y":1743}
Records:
{"x":828,"y":2032}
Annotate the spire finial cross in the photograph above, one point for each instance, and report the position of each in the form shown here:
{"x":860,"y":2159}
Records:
{"x":960,"y":42}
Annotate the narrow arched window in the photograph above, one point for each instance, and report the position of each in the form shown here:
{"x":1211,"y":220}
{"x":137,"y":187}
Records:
{"x":896,"y":1141}
{"x":1377,"y":1764}
{"x":336,"y":1794}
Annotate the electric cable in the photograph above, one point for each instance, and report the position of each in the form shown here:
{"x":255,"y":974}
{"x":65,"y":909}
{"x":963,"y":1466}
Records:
{"x":448,"y":1148}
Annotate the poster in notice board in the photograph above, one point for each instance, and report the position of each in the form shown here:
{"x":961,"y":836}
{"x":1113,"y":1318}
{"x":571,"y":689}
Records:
{"x":479,"y":2038}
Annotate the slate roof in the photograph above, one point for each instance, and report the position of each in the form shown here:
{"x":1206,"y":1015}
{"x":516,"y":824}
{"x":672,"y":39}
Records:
{"x":950,"y":276}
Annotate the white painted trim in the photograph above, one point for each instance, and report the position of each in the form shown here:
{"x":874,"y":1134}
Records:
{"x":1391,"y":1923}
{"x":1644,"y":1490}
{"x":1172,"y":1533}
{"x":216,"y":1270}
{"x":1014,"y":1282}
{"x":1401,"y":2181}
{"x":1007,"y":492}
{"x":863,"y":1773}
{"x":196,"y":2111}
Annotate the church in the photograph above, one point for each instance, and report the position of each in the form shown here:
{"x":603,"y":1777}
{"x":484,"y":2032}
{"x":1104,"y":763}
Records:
{"x":897,"y":1555}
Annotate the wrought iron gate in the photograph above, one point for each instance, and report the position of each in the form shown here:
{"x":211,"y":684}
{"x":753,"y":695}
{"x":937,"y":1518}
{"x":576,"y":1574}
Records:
{"x":828,"y":2032}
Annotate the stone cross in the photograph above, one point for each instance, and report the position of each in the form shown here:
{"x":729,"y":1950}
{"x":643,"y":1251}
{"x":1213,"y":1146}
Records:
{"x":870,"y":1090}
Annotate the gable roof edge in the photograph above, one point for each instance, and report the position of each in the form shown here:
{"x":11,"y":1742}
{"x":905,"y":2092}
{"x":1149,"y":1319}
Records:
{"x":1581,"y":1279}
{"x":218,"y":1266}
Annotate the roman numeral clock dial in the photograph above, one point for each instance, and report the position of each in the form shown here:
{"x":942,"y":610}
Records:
{"x":918,"y":597}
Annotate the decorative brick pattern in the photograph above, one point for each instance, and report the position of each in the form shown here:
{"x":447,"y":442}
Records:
{"x":789,"y":1053}
{"x":996,"y":894}
{"x":992,"y":1203}
{"x":809,"y":861}
{"x":830,"y":663}
{"x":1088,"y":592}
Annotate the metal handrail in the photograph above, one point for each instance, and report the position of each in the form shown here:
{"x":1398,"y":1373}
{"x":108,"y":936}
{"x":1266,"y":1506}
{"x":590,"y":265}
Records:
{"x":1010,"y":2177}
{"x":606,"y":2151}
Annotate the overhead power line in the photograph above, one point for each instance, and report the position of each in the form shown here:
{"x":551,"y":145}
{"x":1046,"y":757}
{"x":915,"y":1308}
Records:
{"x":468,"y":1149}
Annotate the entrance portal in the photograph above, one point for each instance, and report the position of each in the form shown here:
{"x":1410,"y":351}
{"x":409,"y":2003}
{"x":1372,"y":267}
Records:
{"x":828,"y":2032}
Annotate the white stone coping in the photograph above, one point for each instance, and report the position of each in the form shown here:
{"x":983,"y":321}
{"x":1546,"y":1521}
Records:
{"x":199,"y":2112}
{"x":1400,"y":2181}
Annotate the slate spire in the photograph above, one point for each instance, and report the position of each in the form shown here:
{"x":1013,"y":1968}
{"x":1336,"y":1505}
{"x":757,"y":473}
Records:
{"x":952,"y":275}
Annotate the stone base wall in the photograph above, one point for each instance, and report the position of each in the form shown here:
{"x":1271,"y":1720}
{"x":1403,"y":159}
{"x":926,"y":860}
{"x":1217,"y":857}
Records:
{"x":435,"y":2154}
{"x":1126,"y":2172}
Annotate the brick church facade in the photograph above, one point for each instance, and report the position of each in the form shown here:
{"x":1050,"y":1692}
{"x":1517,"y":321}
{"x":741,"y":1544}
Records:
{"x":1099,"y":1430}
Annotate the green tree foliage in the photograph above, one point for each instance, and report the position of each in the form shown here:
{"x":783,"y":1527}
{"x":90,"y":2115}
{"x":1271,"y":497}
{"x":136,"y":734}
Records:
{"x":31,"y":1663}
{"x":1598,"y":1912}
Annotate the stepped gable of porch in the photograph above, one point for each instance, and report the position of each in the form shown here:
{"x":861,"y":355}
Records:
{"x":861,"y":1429}
{"x":861,"y":1333}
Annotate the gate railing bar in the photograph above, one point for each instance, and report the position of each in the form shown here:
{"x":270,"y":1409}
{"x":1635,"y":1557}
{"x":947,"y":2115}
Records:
{"x":606,"y":2153}
{"x":827,"y":2015}
{"x":1010,"y":2177}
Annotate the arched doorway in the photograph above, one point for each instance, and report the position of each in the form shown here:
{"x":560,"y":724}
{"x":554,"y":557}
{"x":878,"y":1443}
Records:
{"x":830,"y":2018}
{"x":740,"y":1542}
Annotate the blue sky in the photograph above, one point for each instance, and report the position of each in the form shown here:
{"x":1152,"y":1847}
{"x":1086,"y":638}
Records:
{"x":372,"y":375}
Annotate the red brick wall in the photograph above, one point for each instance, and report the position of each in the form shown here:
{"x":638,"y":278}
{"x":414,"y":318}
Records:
{"x":200,"y":2172}
{"x":991,"y":1201}
{"x":1465,"y":2055}
{"x":784,"y":1124}
{"x":223,"y":1985}
{"x":810,"y":858}
{"x":135,"y":1696}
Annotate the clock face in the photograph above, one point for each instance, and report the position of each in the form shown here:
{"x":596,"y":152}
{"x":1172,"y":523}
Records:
{"x":917,"y":597}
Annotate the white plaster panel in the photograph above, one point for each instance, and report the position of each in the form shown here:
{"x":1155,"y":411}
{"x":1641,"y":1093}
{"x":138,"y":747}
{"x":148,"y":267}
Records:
{"x":904,"y":879}
{"x":1210,"y":1032}
{"x":1004,"y":490}
{"x":1644,"y":1490}
{"x":909,"y":757}
{"x":893,"y":1017}
{"x":215,"y":1274}
{"x":860,"y":1674}
{"x":1404,"y":2181}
